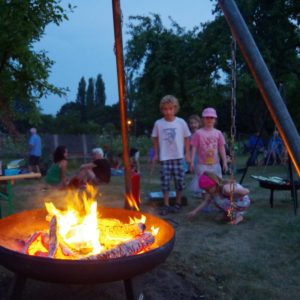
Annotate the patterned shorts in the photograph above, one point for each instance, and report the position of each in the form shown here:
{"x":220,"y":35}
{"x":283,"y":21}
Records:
{"x":171,"y":168}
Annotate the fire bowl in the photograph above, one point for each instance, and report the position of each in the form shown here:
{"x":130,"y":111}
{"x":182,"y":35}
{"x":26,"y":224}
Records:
{"x":21,"y":225}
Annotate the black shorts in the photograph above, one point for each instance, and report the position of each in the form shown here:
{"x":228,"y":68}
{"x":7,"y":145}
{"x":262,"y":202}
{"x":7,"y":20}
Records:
{"x":34,"y":160}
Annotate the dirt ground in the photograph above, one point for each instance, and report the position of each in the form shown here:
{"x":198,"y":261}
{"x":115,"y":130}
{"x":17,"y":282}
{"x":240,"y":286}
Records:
{"x":257,"y":259}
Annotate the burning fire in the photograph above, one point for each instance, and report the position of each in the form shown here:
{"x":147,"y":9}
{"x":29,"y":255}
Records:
{"x":80,"y":232}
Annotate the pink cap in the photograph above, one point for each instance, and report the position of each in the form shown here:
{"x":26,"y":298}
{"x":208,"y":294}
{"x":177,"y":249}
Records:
{"x":209,"y":112}
{"x":206,"y":182}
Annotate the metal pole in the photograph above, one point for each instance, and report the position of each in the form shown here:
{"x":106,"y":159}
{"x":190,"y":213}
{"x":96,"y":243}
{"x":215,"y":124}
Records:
{"x":122,"y":96}
{"x":264,"y":80}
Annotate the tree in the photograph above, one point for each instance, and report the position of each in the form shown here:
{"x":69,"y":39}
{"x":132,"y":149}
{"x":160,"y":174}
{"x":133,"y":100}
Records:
{"x":23,"y":71}
{"x":90,"y":98}
{"x":100,"y":96}
{"x":194,"y":65}
{"x":81,"y":99}
{"x":162,"y":61}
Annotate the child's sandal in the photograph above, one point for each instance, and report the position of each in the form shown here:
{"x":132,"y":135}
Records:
{"x":176,"y":208}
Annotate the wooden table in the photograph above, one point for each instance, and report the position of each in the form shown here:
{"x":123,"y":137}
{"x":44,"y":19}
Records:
{"x":7,"y":195}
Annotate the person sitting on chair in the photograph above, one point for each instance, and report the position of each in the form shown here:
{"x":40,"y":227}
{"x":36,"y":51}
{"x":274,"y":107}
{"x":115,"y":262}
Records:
{"x":96,"y":172}
{"x":274,"y":149}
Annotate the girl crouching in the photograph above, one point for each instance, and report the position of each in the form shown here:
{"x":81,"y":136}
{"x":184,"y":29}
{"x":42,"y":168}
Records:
{"x":230,"y":197}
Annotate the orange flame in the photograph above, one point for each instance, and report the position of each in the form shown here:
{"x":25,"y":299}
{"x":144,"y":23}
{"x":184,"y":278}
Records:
{"x":132,"y":203}
{"x":81,"y":231}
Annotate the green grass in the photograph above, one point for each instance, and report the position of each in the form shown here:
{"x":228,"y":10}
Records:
{"x":258,"y":259}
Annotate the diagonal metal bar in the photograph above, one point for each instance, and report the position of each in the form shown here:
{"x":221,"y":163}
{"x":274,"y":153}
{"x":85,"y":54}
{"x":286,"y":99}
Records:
{"x":264,"y":80}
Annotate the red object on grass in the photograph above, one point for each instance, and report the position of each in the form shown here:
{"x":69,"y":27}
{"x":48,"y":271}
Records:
{"x":135,"y":186}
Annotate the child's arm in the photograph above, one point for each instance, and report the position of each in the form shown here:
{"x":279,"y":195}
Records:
{"x":223,"y":157}
{"x":187,"y":150}
{"x":192,"y":158}
{"x":87,"y":166}
{"x":238,"y":190}
{"x":194,"y":212}
{"x":156,"y":148}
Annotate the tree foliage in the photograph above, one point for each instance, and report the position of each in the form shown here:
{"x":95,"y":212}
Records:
{"x":194,"y":65}
{"x":100,"y":96}
{"x":81,"y":99}
{"x":23,"y":71}
{"x":90,"y":98}
{"x":85,"y":115}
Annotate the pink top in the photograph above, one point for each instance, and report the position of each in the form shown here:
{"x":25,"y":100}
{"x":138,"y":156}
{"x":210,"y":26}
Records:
{"x":207,"y":143}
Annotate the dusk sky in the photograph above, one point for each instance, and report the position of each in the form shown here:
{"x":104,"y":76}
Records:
{"x":83,"y":46}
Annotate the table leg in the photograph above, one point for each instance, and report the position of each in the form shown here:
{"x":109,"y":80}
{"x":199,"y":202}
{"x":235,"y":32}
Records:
{"x":271,"y":198}
{"x":9,"y":197}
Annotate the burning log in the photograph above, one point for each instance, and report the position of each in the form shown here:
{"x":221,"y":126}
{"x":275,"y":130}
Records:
{"x":32,"y":239}
{"x":124,"y":230}
{"x":131,"y":247}
{"x":53,"y":243}
{"x":66,"y":251}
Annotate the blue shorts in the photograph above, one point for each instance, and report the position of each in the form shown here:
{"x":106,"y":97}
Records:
{"x":171,"y":168}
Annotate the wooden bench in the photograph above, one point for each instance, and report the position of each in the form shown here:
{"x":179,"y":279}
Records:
{"x":7,"y":193}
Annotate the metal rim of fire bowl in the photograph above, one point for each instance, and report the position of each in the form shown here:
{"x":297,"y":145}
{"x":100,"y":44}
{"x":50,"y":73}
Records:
{"x":85,"y":271}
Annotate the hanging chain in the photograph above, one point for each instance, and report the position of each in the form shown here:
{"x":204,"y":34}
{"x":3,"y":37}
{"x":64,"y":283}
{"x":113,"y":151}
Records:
{"x":231,"y":211}
{"x":233,"y":103}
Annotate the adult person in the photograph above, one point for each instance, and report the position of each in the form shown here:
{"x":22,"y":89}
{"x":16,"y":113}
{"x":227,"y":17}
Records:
{"x":275,"y":148}
{"x":255,"y":145}
{"x":96,"y":172}
{"x":35,"y":151}
{"x":57,"y":173}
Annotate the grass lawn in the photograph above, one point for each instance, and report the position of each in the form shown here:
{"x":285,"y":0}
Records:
{"x":257,"y":259}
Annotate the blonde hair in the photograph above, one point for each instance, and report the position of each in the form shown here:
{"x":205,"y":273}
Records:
{"x":169,"y":99}
{"x":196,"y":118}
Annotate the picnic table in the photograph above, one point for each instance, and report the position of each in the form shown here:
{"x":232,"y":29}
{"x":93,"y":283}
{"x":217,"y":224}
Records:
{"x":277,"y":184}
{"x":7,"y":193}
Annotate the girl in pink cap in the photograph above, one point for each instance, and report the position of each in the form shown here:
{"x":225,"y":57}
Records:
{"x":219,"y":192}
{"x":209,"y":145}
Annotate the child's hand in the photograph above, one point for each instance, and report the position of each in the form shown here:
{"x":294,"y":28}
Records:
{"x":191,"y":167}
{"x":225,"y":167}
{"x":188,"y":158}
{"x":192,"y":214}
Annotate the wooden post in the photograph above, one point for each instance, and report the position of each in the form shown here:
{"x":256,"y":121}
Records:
{"x":122,"y":97}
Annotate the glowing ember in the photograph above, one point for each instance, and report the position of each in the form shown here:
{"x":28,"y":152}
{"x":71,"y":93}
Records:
{"x":79,"y":232}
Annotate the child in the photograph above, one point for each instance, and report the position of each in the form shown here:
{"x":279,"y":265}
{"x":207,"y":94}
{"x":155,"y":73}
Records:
{"x":170,"y":141}
{"x":219,"y":191}
{"x":194,"y":124}
{"x":56,"y":175}
{"x":209,"y":144}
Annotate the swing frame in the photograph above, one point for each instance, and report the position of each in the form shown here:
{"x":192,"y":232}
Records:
{"x":258,"y":68}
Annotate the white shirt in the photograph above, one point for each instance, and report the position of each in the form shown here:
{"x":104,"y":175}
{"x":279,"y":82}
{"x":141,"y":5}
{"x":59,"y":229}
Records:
{"x":171,"y":135}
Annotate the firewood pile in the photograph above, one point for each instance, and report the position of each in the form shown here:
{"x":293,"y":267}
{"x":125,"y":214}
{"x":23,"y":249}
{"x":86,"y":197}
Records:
{"x":117,"y":240}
